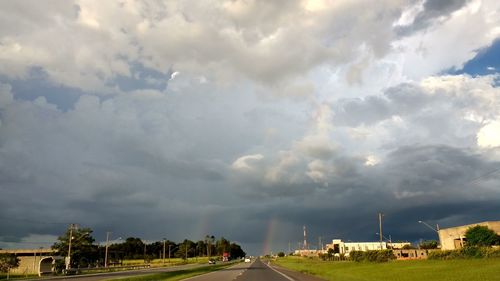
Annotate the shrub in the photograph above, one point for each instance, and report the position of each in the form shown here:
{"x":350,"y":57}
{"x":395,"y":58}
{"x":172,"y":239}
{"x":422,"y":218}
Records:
{"x":372,"y":256}
{"x":357,"y":256}
{"x":481,"y":236}
{"x":8,"y":261}
{"x":445,"y":255}
{"x":492,"y":253}
{"x":465,"y":253}
{"x":432,"y":244}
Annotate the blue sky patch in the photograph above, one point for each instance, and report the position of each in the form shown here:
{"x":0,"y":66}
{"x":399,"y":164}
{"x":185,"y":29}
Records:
{"x":487,"y":61}
{"x":38,"y":85}
{"x":142,"y":78}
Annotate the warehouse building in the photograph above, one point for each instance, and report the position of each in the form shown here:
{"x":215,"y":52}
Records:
{"x":453,"y":238}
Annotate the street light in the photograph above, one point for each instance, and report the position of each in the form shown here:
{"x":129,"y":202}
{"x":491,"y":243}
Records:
{"x":169,"y":246}
{"x":434,"y":229}
{"x":68,"y":258}
{"x":387,"y":239}
{"x":169,"y":249}
{"x":107,"y":246}
{"x":426,"y":224}
{"x":164,"y":240}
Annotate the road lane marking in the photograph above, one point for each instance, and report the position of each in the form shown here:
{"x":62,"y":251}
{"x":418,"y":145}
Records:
{"x":282,"y":274}
{"x":197,"y":276}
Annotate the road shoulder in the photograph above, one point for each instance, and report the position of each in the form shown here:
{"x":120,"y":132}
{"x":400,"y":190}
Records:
{"x":296,"y":275}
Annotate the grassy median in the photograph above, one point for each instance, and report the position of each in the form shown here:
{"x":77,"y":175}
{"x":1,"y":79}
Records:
{"x":175,"y":275}
{"x":411,"y":270}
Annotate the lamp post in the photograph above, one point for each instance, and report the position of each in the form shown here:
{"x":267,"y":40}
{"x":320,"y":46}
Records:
{"x":169,"y":246}
{"x":434,"y":229}
{"x":387,"y":239}
{"x":68,"y":258}
{"x":164,"y":240}
{"x":106,"y":251}
{"x":380,"y":215}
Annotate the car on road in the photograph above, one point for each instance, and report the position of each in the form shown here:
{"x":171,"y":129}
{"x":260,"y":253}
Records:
{"x":211,"y":261}
{"x":247,"y":260}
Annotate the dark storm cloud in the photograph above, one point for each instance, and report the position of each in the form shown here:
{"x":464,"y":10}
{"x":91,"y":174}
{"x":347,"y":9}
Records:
{"x":404,"y":99}
{"x":433,"y":10}
{"x":251,"y":139}
{"x":430,"y":183}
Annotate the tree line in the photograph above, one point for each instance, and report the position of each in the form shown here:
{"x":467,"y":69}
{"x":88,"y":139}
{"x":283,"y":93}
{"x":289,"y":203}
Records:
{"x":85,"y":252}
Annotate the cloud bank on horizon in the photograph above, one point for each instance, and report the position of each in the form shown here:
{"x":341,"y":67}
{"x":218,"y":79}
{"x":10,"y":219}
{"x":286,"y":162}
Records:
{"x":180,"y":118}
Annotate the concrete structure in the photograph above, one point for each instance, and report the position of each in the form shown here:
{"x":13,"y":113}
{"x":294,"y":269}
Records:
{"x":412,"y":254}
{"x":307,"y":253}
{"x":33,"y":261}
{"x":340,"y":247}
{"x":398,"y":245}
{"x":454,"y":237}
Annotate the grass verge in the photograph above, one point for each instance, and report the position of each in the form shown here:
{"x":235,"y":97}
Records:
{"x":175,"y":275}
{"x":412,"y":270}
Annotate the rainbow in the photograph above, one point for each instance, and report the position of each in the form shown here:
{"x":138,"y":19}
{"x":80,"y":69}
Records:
{"x":270,"y":233}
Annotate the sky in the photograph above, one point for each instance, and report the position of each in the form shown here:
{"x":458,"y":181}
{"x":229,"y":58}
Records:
{"x":248,"y":119}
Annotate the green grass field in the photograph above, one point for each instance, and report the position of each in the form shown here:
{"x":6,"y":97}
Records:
{"x":175,"y":275}
{"x":412,"y":270}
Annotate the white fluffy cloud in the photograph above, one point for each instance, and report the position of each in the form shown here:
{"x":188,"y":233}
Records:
{"x":489,"y":135}
{"x":244,"y":163}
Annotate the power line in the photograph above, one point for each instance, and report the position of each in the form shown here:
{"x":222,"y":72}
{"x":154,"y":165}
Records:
{"x":484,"y":175}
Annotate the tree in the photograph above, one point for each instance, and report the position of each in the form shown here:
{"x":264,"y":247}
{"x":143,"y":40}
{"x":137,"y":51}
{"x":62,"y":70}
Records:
{"x":132,"y":248}
{"x":281,"y":254}
{"x":209,"y":241}
{"x":431,"y":244}
{"x":223,"y":246}
{"x":330,"y":254}
{"x":201,"y":248}
{"x":481,"y":236}
{"x":236,"y":251}
{"x":83,"y":252}
{"x":186,"y":247}
{"x":8,"y":261}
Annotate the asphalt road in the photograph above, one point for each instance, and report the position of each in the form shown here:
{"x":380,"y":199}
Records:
{"x":118,"y":274}
{"x":256,"y":271}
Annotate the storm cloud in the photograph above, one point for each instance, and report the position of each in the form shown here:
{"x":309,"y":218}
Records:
{"x":246,"y":119}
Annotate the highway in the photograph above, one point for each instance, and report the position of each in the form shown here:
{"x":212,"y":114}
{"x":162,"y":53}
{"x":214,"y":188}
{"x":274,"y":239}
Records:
{"x":118,"y":274}
{"x":256,"y":271}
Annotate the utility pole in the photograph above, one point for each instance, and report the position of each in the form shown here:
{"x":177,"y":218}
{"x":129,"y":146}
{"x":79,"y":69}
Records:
{"x":169,"y":246}
{"x":68,"y":259}
{"x":380,"y":215}
{"x":164,"y":251}
{"x":305,"y":238}
{"x":106,"y":251}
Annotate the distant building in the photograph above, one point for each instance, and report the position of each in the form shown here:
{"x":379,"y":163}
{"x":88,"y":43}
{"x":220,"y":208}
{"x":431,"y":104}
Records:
{"x":33,"y":261}
{"x":340,"y":247}
{"x":398,"y":245}
{"x":412,"y":254}
{"x":454,"y":237}
{"x":307,"y":253}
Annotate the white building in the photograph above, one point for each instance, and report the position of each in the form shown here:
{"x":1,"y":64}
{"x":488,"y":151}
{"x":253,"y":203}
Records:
{"x":340,"y":247}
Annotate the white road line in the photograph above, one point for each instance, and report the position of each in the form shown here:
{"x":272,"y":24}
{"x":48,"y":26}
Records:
{"x":282,"y":274}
